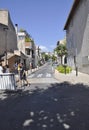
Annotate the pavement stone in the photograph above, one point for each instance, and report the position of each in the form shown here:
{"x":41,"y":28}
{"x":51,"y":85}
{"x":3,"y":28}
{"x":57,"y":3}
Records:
{"x":72,"y":78}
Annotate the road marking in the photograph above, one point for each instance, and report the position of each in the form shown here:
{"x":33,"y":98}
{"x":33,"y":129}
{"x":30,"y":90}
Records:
{"x":48,"y":75}
{"x":43,"y":80}
{"x":39,"y":75}
{"x":30,"y":76}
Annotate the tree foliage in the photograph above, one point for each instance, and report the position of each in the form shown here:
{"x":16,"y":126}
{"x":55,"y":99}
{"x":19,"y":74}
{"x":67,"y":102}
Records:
{"x":45,"y":56}
{"x":27,"y":36}
{"x":61,"y":50}
{"x":54,"y":58}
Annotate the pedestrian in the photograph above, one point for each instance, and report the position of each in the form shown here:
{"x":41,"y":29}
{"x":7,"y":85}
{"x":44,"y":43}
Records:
{"x":23,"y":77}
{"x":30,"y":66}
{"x":7,"y":70}
{"x":1,"y":68}
{"x":16,"y":68}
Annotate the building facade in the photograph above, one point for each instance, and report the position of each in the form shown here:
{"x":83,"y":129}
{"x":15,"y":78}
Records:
{"x":8,"y":39}
{"x":77,"y":35}
{"x":30,"y":51}
{"x":26,"y":50}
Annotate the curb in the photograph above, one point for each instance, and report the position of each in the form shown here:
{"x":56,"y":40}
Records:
{"x":72,"y":78}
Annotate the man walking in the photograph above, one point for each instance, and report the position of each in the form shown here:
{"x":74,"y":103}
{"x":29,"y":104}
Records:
{"x":23,"y":77}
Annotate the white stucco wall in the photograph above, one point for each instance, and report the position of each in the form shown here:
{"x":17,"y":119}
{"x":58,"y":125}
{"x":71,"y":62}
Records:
{"x":21,"y":42}
{"x":78,"y":36}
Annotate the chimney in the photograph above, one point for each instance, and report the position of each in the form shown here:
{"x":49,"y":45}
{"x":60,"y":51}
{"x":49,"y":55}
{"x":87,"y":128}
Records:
{"x":16,"y":28}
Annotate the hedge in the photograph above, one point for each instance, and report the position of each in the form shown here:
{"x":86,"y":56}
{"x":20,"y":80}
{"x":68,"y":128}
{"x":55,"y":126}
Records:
{"x":64,"y":68}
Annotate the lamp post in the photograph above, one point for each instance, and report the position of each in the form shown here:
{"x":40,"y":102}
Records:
{"x":65,"y":63}
{"x":75,"y":61}
{"x":38,"y":49}
{"x":5,"y":29}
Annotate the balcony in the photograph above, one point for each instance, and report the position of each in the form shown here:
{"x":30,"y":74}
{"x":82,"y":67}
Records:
{"x":28,"y":45}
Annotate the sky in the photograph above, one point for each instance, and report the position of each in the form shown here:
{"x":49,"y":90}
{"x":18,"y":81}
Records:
{"x":44,"y":20}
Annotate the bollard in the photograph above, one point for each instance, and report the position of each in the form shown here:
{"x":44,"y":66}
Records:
{"x":76,"y":71}
{"x":65,"y":68}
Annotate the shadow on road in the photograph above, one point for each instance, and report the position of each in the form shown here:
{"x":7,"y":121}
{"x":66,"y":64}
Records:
{"x":62,"y":106}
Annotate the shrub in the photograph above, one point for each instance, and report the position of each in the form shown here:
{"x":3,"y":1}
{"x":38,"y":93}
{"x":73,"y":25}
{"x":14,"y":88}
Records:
{"x":63,"y":68}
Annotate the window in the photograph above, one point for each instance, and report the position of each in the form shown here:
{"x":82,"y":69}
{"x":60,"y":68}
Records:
{"x":21,"y":37}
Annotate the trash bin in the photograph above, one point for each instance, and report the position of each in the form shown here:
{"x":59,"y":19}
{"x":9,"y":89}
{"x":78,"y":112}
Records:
{"x":7,"y":81}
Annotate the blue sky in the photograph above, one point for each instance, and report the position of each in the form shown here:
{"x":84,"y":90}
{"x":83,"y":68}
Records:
{"x":44,"y":20}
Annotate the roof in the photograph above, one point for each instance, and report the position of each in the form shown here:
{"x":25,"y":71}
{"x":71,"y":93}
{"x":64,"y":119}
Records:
{"x":3,"y":25}
{"x":72,"y":11}
{"x":12,"y":55}
{"x":9,"y":56}
{"x":6,"y":19}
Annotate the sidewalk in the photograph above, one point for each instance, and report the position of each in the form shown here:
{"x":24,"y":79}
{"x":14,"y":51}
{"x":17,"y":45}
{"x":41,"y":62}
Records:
{"x":32,"y":70}
{"x":72,"y":78}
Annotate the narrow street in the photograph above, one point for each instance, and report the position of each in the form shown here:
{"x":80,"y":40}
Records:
{"x":44,"y":75}
{"x":45,"y":105}
{"x":35,"y":38}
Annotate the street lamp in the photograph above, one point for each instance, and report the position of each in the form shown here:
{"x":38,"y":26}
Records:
{"x":75,"y":61}
{"x":38,"y":49}
{"x":5,"y":29}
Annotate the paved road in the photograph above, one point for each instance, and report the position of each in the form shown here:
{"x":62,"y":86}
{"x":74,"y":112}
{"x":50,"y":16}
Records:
{"x":45,"y":106}
{"x":43,"y":75}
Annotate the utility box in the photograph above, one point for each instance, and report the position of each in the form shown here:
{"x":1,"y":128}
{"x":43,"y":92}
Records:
{"x":7,"y":81}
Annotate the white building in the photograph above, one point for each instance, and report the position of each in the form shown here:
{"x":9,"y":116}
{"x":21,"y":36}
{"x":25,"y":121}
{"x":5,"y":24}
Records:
{"x":77,"y":35}
{"x":26,"y":50}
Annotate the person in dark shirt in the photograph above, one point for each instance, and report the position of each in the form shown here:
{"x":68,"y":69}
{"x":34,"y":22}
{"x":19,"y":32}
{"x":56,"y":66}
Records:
{"x":7,"y":70}
{"x":23,"y":77}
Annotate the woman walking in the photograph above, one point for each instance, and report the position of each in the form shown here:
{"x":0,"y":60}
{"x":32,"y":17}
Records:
{"x":23,"y":77}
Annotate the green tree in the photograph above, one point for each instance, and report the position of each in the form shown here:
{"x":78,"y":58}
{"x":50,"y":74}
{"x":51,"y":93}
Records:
{"x":61,"y":50}
{"x":45,"y":56}
{"x":27,"y":36}
{"x":54,"y":58}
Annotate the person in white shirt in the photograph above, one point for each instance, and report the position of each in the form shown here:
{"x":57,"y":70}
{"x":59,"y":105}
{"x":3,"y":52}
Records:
{"x":7,"y":69}
{"x":1,"y":68}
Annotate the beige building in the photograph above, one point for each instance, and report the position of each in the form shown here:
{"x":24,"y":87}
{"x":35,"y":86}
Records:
{"x":26,"y":50}
{"x":30,"y":51}
{"x":77,"y":35}
{"x":63,"y":41}
{"x":8,"y":39}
